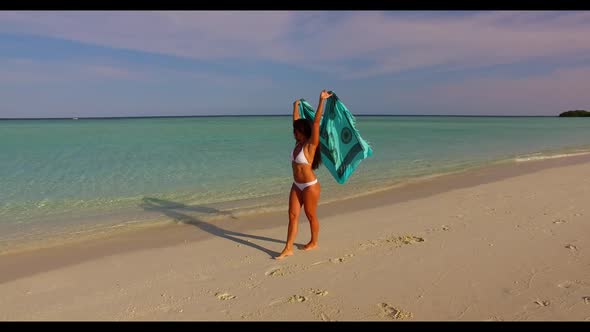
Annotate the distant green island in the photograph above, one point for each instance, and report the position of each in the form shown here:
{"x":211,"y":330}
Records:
{"x":575,"y":113}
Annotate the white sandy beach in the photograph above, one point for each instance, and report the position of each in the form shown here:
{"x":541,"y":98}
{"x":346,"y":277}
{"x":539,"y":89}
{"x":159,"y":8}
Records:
{"x":477,"y":246}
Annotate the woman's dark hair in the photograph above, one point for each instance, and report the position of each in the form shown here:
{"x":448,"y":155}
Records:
{"x":304,"y":126}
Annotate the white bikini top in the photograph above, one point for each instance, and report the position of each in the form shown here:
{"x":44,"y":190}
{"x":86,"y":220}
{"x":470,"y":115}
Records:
{"x":300,"y":159}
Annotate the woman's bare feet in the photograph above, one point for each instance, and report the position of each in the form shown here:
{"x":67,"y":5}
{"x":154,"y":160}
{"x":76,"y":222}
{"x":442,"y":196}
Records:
{"x":309,"y":246}
{"x":286,"y":252}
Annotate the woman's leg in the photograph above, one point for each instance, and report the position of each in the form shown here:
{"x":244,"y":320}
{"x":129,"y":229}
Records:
{"x":295,"y":202}
{"x":311,"y":197}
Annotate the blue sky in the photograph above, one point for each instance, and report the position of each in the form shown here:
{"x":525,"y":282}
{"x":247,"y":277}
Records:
{"x":144,"y":63}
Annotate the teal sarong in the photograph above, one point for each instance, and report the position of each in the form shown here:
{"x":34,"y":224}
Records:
{"x":341,"y":145}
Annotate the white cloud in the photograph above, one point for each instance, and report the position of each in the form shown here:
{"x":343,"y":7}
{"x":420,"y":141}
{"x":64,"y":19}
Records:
{"x":389,"y":43}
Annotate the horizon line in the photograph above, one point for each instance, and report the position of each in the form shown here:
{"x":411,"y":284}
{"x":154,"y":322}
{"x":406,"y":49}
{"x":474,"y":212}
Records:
{"x":269,"y":115}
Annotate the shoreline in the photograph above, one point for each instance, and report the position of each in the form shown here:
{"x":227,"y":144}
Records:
{"x":181,"y":230}
{"x":60,"y":229}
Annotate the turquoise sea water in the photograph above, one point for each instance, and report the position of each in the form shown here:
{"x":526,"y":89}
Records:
{"x":59,"y":176}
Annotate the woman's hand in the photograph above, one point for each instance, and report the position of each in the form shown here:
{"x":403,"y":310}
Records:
{"x":325,"y":95}
{"x":296,"y":103}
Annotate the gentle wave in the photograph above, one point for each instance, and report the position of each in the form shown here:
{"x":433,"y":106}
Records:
{"x":549,"y":156}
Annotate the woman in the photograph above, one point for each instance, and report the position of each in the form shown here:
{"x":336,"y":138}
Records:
{"x":305,"y":190}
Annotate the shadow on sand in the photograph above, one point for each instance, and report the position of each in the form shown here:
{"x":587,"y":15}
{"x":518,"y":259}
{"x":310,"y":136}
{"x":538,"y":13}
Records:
{"x":178,"y":211}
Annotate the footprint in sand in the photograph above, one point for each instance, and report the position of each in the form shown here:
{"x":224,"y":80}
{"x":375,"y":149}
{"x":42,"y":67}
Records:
{"x":392,"y":312}
{"x":392,"y":240}
{"x":542,"y":303}
{"x":275,"y":272}
{"x":586,"y":299}
{"x":341,"y":259}
{"x":406,"y":239}
{"x":281,"y":271}
{"x":559,"y":221}
{"x":412,"y":239}
{"x":566,"y":284}
{"x":225,"y":296}
{"x":369,"y":244}
{"x":297,"y":298}
{"x":571,"y":247}
{"x":318,"y":292}
{"x":493,"y":319}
